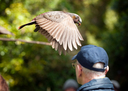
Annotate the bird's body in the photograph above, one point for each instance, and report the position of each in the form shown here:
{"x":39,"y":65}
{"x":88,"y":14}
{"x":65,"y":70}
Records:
{"x":59,"y":28}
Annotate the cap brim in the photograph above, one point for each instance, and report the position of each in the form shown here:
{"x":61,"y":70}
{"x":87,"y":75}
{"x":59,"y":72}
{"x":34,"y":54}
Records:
{"x":74,"y":57}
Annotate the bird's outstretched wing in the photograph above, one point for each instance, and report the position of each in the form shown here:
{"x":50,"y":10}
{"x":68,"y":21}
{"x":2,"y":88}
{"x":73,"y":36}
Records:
{"x":60,"y":30}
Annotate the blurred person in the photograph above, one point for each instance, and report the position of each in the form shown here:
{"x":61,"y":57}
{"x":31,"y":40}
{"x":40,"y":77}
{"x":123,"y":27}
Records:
{"x":91,"y":67}
{"x":70,"y":85}
{"x":3,"y":84}
{"x":116,"y":85}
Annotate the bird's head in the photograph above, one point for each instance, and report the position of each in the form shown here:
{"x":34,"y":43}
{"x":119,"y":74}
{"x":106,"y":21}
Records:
{"x":76,"y":18}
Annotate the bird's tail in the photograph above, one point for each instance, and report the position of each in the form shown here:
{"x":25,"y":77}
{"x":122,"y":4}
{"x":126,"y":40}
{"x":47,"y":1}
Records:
{"x":30,"y":23}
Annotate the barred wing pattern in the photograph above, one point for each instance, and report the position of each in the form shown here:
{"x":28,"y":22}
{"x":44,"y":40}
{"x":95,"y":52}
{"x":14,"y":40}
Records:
{"x":60,"y":29}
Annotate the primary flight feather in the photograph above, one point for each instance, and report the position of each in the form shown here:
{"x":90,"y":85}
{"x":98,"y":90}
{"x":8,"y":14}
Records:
{"x":59,"y":28}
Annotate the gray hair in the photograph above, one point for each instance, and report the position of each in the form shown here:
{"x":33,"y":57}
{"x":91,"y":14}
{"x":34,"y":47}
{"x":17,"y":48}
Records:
{"x":94,"y":74}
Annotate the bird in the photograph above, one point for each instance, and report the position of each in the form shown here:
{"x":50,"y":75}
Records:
{"x":4,"y":31}
{"x":59,"y":28}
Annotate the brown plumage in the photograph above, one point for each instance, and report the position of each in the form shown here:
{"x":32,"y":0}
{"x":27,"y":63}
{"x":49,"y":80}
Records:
{"x":4,"y":31}
{"x":3,"y":84}
{"x":59,"y":28}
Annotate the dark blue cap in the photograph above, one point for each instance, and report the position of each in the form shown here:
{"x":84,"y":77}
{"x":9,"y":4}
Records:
{"x":91,"y":54}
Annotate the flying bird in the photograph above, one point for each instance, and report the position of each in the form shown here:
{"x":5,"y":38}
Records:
{"x":4,"y":31}
{"x":59,"y":28}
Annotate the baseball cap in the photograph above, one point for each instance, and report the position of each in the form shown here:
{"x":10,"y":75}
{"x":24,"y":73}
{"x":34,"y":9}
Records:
{"x":91,"y":54}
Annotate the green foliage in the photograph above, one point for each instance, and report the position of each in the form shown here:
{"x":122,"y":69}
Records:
{"x":32,"y":67}
{"x":116,"y":44}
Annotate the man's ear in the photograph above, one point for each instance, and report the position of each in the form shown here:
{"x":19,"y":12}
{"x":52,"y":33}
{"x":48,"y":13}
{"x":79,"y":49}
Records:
{"x":107,"y":70}
{"x":79,"y":70}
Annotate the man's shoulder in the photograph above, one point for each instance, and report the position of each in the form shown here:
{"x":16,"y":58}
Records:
{"x":102,"y":84}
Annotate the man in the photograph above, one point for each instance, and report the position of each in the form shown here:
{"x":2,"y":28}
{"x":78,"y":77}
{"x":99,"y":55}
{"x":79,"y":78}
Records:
{"x":70,"y":85}
{"x":91,"y":67}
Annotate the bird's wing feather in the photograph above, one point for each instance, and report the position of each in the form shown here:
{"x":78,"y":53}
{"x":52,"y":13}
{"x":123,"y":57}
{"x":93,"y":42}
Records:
{"x":61,"y":30}
{"x":55,"y":16}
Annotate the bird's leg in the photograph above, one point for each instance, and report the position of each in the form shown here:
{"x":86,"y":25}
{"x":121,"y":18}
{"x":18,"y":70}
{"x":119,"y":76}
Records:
{"x":37,"y":28}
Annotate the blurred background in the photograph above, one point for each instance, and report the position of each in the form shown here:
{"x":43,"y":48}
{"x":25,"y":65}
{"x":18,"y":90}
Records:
{"x":33,"y":67}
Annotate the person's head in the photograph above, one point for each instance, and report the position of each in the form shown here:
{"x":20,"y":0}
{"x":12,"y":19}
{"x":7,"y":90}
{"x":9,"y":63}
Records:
{"x":70,"y":85}
{"x":92,"y":63}
{"x":116,"y":85}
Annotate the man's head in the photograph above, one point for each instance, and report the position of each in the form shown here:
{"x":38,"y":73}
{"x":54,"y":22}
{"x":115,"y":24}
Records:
{"x":92,"y":63}
{"x":70,"y":85}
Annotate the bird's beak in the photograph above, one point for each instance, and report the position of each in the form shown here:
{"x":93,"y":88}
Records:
{"x":79,"y":23}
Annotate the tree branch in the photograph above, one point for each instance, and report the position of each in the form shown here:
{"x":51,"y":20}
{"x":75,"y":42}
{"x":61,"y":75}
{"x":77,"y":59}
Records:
{"x":33,"y":42}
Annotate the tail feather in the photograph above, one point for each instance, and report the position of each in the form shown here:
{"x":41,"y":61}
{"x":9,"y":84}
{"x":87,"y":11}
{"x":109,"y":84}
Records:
{"x":30,"y":23}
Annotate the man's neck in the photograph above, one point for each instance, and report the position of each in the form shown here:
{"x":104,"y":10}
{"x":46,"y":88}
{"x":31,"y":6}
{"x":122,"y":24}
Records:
{"x":85,"y":80}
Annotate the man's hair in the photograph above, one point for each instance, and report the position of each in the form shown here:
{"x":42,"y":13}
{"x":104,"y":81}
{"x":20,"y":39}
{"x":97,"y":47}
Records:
{"x":94,"y":74}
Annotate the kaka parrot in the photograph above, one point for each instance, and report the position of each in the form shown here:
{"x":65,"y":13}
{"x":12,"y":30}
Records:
{"x":59,"y":28}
